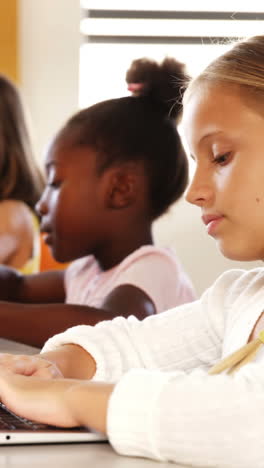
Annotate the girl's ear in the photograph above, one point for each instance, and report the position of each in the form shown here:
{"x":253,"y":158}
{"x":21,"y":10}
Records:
{"x":121,"y":188}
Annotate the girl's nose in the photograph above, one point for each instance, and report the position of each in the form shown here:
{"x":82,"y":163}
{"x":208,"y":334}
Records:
{"x":199,"y":192}
{"x":41,"y":206}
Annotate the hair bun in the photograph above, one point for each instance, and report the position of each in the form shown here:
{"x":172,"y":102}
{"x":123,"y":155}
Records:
{"x":164,"y":83}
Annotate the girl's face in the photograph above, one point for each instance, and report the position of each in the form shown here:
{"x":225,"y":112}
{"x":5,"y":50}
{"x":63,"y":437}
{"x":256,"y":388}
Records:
{"x":71,"y":204}
{"x":225,"y":135}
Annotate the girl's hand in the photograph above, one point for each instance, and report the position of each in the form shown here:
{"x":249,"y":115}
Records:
{"x":37,"y":399}
{"x":60,"y":402}
{"x":29,"y":366}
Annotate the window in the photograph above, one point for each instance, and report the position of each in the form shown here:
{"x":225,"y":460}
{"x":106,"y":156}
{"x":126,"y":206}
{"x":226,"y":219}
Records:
{"x":115,"y":32}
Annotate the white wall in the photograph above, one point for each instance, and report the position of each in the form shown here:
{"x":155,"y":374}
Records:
{"x":49,"y":49}
{"x":49,"y":43}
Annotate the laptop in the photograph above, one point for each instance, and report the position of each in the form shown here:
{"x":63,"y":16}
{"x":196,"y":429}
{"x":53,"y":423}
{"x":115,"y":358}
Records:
{"x":15,"y":430}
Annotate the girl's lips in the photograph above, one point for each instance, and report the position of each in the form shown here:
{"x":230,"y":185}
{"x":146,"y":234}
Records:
{"x":212,"y":225}
{"x":212,"y":222}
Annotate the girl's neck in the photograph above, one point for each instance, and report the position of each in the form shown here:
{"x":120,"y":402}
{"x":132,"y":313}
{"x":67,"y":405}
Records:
{"x":116,"y":251}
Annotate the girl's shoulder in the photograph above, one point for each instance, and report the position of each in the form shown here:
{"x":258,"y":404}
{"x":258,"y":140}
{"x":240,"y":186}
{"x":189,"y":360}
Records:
{"x":238,"y":282}
{"x":19,"y":232}
{"x":237,"y":291}
{"x":149,"y":253}
{"x":14,"y":206}
{"x":17,"y":216}
{"x":18,"y":219}
{"x":158,"y":265}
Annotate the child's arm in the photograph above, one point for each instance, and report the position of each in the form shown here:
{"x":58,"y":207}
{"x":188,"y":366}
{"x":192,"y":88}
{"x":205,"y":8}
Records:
{"x":181,"y":338}
{"x":43,"y":287}
{"x":34,"y":323}
{"x":191,"y":419}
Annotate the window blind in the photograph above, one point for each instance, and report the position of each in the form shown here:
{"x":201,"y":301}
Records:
{"x":107,"y":22}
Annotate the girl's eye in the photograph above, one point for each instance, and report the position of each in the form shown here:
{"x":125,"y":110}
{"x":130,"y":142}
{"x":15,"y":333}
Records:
{"x":222,"y":159}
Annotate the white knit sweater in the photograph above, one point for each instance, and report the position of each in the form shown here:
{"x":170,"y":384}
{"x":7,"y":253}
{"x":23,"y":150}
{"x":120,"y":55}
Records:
{"x":164,"y":405}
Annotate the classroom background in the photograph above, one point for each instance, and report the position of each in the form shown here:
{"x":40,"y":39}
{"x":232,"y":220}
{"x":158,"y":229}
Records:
{"x":67,"y":54}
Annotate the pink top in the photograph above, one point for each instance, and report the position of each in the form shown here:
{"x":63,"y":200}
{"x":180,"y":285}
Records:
{"x":154,"y":270}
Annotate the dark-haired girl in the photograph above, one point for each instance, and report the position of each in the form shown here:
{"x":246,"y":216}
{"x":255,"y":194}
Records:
{"x":111,"y":171}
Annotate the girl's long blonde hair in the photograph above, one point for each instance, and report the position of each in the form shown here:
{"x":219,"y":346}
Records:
{"x":243,"y":66}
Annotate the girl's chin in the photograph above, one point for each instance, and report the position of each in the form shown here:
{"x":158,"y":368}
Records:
{"x":60,"y":256}
{"x":238,"y":255}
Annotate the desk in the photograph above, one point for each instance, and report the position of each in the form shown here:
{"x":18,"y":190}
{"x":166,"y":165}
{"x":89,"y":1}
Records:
{"x":90,"y":455}
{"x":70,"y":456}
{"x":12,"y":347}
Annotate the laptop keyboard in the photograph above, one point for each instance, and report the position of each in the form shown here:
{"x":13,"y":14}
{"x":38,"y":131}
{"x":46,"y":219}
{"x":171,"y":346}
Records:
{"x":10,"y":421}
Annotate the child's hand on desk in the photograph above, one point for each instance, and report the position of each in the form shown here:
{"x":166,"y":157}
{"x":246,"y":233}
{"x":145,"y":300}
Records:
{"x":29,"y":366}
{"x":60,"y":402}
{"x":69,"y":360}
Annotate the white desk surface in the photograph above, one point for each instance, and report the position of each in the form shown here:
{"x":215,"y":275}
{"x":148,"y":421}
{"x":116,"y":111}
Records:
{"x":12,"y":347}
{"x":90,"y":455}
{"x":72,"y":456}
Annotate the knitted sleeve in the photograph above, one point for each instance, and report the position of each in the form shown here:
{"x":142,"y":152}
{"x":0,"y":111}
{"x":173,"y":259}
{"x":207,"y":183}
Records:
{"x":185,"y":337}
{"x":191,"y":419}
